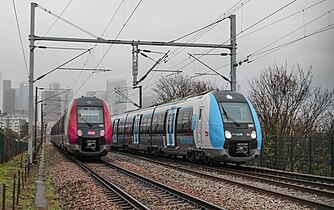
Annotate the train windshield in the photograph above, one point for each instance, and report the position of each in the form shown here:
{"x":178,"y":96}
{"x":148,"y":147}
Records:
{"x":90,"y":115}
{"x":236,"y":112}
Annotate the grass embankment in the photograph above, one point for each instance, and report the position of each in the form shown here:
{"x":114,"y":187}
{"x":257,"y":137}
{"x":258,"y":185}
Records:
{"x":27,"y":194}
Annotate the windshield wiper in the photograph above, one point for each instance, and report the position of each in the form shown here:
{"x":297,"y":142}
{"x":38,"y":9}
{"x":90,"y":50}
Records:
{"x":83,"y":119}
{"x":228,"y":116}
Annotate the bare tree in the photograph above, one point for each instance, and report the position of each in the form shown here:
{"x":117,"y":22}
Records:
{"x":180,"y":86}
{"x":286,"y":102}
{"x":315,"y":113}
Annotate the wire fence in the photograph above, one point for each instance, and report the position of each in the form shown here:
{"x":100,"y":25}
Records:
{"x":10,"y":148}
{"x":311,"y":155}
{"x":10,"y":193}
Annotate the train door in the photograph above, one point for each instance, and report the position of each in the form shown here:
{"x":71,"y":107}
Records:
{"x":200,"y":126}
{"x":115,"y":131}
{"x":136,"y":129}
{"x":170,"y":127}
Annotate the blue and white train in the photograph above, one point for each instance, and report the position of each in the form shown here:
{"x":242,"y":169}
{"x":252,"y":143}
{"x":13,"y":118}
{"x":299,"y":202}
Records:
{"x":217,"y":126}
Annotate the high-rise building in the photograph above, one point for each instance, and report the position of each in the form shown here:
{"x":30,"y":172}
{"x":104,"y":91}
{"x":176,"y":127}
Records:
{"x":97,"y":94}
{"x":66,"y":99}
{"x":116,"y":103}
{"x":52,"y":107}
{"x":22,"y":99}
{"x":8,"y":97}
{"x":55,"y":86}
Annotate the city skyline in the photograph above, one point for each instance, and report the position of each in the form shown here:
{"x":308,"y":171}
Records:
{"x":58,"y":104}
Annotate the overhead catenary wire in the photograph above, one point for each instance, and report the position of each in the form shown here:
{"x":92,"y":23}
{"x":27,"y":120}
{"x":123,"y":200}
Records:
{"x":68,"y":22}
{"x":20,"y":37}
{"x":49,"y":72}
{"x":272,"y":50}
{"x":285,"y":44}
{"x":297,"y":29}
{"x":62,"y":12}
{"x":203,"y":31}
{"x":277,"y":21}
{"x":106,"y":28}
{"x":234,"y":8}
{"x":218,"y":20}
{"x":271,"y":14}
{"x":126,"y":22}
{"x":253,"y":25}
{"x":266,"y":52}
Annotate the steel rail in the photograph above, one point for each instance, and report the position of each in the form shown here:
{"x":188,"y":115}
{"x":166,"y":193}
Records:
{"x":124,"y":199}
{"x":189,"y":198}
{"x":220,"y":179}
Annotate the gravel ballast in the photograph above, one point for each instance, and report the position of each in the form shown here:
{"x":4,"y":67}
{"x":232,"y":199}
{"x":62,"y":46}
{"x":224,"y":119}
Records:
{"x":76,"y":189}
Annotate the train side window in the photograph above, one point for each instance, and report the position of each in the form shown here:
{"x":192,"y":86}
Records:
{"x":157,"y":123}
{"x":115,"y":126}
{"x":129,"y":125}
{"x":120,"y":126}
{"x":200,"y":114}
{"x":179,"y":121}
{"x":184,"y":121}
{"x":133,"y":125}
{"x":144,"y":126}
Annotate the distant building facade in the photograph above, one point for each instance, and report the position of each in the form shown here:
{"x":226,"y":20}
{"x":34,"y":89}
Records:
{"x":16,"y":122}
{"x":97,"y":94}
{"x":22,"y":99}
{"x":52,"y":106}
{"x":115,"y":101}
{"x":8,"y":97}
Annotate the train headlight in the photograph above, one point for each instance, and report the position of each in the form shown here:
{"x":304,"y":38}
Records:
{"x":102,"y":133}
{"x":79,"y":132}
{"x":253,"y":135}
{"x":228,"y":134}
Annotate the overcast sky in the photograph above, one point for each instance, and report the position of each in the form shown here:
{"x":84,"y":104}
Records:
{"x":157,"y":20}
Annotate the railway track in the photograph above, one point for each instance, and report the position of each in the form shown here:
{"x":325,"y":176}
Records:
{"x":171,"y":198}
{"x":319,"y":181}
{"x":200,"y":170}
{"x":298,"y":181}
{"x":123,"y":199}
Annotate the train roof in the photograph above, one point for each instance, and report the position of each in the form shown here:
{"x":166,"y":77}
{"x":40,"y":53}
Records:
{"x":89,"y":101}
{"x":228,"y":96}
{"x":220,"y":95}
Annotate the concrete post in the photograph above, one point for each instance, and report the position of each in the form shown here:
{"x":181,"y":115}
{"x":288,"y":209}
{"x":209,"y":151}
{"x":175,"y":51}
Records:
{"x":31,"y":79}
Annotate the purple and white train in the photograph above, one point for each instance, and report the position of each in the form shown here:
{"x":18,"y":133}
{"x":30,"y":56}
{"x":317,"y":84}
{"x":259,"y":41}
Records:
{"x":85,"y":128}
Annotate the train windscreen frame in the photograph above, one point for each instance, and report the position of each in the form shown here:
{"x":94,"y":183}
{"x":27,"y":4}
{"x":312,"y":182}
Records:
{"x":90,"y":115}
{"x":236,"y":112}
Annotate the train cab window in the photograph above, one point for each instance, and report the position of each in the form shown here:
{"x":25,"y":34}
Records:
{"x":236,"y":112}
{"x":90,"y":115}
